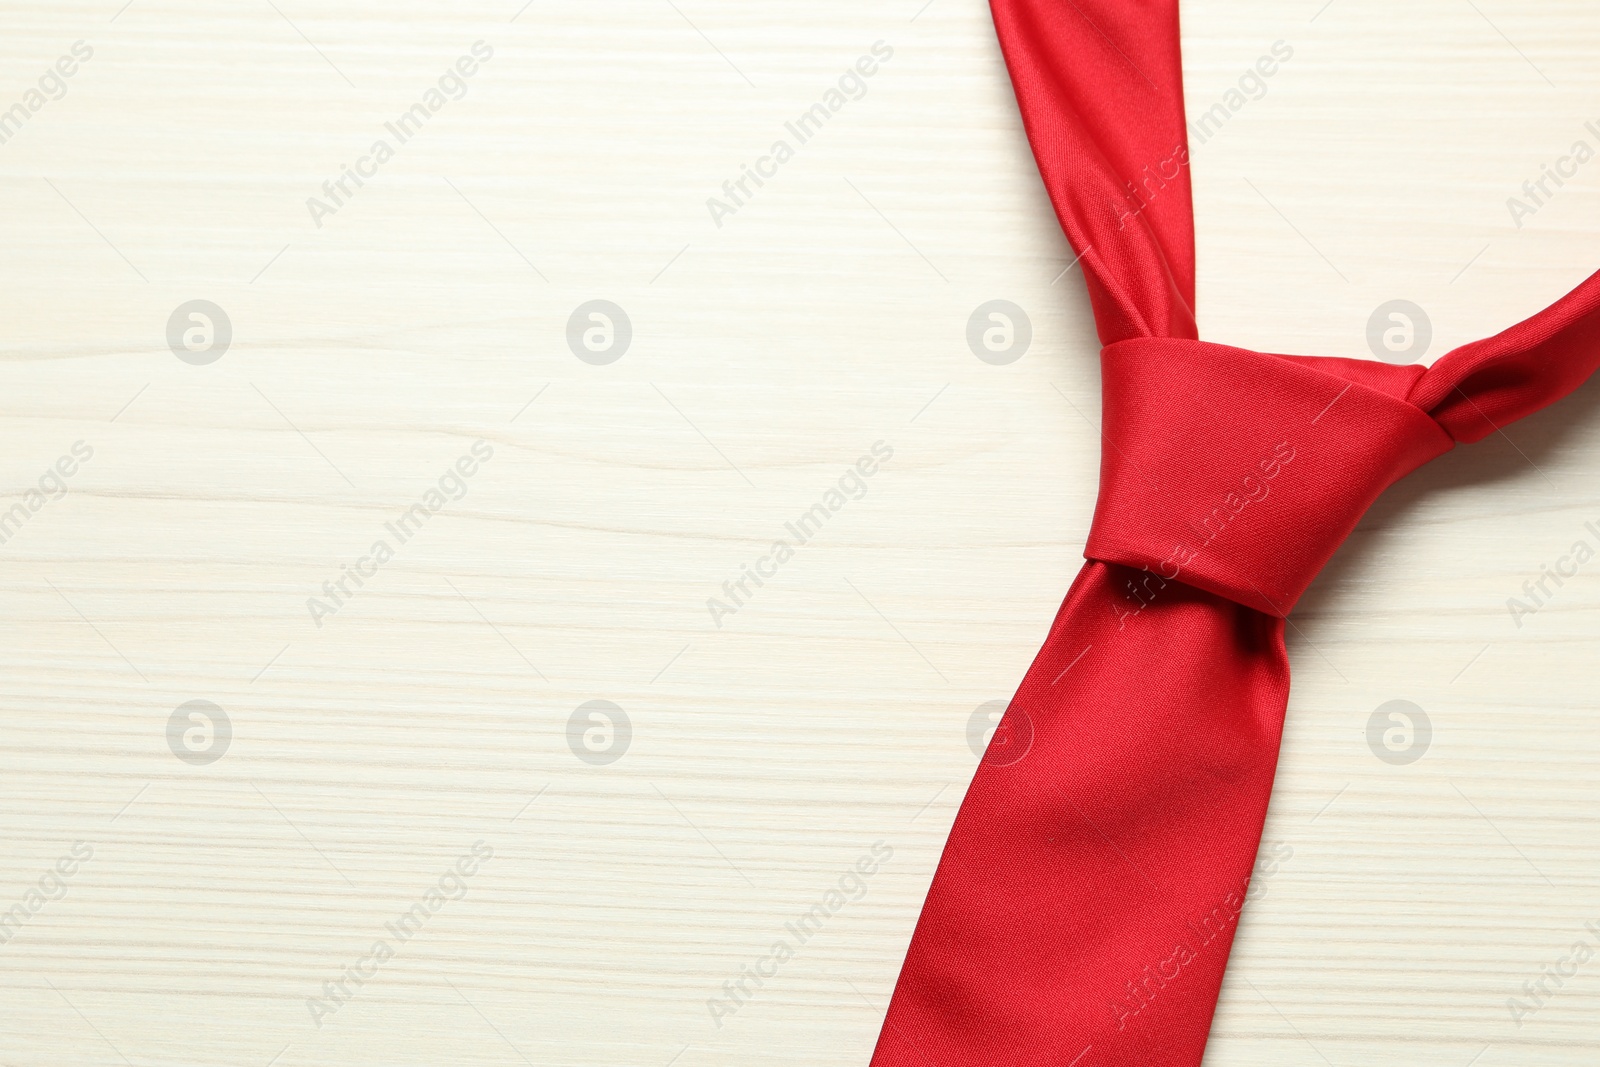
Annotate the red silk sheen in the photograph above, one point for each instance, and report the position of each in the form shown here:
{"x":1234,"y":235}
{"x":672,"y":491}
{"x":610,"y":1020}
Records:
{"x":1087,"y":898}
{"x":1100,"y":83}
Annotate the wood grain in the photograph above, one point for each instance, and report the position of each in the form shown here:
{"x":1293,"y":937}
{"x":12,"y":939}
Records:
{"x":768,"y":354}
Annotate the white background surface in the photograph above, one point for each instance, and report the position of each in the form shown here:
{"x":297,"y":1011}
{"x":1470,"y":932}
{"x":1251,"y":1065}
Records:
{"x":831,"y":711}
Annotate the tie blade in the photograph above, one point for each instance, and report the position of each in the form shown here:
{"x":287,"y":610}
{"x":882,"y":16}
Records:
{"x":1088,"y":895}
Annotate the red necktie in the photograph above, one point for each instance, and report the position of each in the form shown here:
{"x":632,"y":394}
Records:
{"x":1083,"y":910}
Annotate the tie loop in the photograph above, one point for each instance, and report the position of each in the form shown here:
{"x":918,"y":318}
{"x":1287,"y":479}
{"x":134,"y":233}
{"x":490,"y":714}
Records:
{"x":1241,"y":473}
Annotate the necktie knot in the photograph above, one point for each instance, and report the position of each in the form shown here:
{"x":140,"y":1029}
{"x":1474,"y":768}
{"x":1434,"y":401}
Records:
{"x":1241,"y":473}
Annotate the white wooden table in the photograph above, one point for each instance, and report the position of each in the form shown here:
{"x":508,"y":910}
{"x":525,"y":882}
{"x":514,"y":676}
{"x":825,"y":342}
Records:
{"x":236,"y":867}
